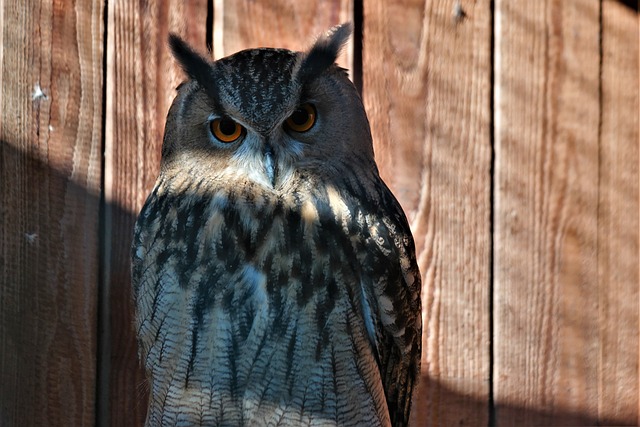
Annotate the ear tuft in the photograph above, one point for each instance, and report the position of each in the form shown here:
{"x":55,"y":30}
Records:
{"x":196,"y":67}
{"x":324,"y":52}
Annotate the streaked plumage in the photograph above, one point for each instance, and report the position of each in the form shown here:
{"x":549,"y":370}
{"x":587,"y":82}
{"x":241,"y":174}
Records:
{"x":275,"y":278}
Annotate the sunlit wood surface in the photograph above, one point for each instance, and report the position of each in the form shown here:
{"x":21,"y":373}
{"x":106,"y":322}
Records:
{"x":508,"y":130}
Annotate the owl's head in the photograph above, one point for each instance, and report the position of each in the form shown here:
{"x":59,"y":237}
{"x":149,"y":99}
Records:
{"x":268,"y":116}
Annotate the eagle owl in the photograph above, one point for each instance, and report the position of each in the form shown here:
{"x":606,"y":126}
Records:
{"x":274,"y":273}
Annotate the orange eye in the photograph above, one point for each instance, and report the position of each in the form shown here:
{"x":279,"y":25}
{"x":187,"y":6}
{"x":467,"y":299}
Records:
{"x":226,"y":130}
{"x":302,"y":119}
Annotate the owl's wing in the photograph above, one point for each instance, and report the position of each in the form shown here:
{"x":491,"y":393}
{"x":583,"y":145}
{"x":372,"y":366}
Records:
{"x":396,"y":291}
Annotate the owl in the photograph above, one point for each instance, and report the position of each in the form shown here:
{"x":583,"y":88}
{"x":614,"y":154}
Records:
{"x":274,"y":273}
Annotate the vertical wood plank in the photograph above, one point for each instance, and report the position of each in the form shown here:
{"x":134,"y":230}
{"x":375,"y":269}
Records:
{"x":551,"y":333}
{"x":141,"y":82}
{"x":50,"y":168}
{"x":285,"y":24}
{"x":618,"y":217}
{"x":427,"y":88}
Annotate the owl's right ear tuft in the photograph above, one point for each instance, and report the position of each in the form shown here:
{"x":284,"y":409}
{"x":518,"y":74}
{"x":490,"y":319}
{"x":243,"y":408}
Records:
{"x":197,"y":67}
{"x":324,"y":52}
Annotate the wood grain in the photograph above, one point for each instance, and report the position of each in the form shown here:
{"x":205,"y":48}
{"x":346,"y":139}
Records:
{"x":50,"y":167}
{"x":142,"y":78}
{"x":556,"y":342}
{"x":426,"y":87}
{"x":566,"y":210}
{"x":286,"y":24}
{"x":546,"y":288}
{"x":618,"y":218}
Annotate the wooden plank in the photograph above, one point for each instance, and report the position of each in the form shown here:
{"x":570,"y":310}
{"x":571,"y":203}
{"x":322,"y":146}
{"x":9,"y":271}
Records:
{"x":141,"y":82}
{"x":50,"y":168}
{"x":286,"y":24}
{"x":548,"y":331}
{"x":426,"y":87}
{"x":618,"y":218}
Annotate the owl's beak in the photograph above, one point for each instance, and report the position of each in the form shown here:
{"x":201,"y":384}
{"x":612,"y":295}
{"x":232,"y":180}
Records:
{"x":270,"y":165}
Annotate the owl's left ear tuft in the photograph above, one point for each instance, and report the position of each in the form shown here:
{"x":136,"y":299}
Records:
{"x":324,"y":52}
{"x":197,"y":67}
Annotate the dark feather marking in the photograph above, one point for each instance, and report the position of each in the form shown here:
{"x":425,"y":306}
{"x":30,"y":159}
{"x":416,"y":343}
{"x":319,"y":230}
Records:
{"x":157,"y":336}
{"x":206,"y":297}
{"x":317,"y":279}
{"x":293,"y":231}
{"x":164,"y":210}
{"x":228,"y":296}
{"x":234,"y":355}
{"x":393,"y":383}
{"x":265,"y":390}
{"x":161,"y":206}
{"x":306,"y":257}
{"x":245,"y":241}
{"x":182,"y":217}
{"x":334,"y":377}
{"x":260,"y":234}
{"x":156,"y":298}
{"x":189,"y":222}
{"x":137,"y":274}
{"x":228,"y":252}
{"x":171,"y":380}
{"x":192,"y":356}
{"x":279,"y":326}
{"x":296,"y":266}
{"x":322,"y":343}
{"x":146,"y":214}
{"x":195,"y":223}
{"x":323,"y":393}
{"x":162,"y":258}
{"x":244,"y":318}
{"x":156,"y":236}
{"x":283,"y":278}
{"x":351,"y":334}
{"x":324,"y":310}
{"x":261,"y":344}
{"x":332,"y":235}
{"x":304,"y":401}
{"x":275,"y":280}
{"x":278,"y":209}
{"x":291,"y":348}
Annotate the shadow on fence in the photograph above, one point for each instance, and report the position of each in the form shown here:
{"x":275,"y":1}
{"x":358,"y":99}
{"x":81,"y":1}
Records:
{"x":50,"y":356}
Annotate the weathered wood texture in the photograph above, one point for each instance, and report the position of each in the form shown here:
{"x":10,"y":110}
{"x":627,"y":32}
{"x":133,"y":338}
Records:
{"x":141,"y":81}
{"x":427,"y":89}
{"x":566,"y":214}
{"x":618,"y":212}
{"x":561,"y":187}
{"x":50,"y":169}
{"x":289,"y":24}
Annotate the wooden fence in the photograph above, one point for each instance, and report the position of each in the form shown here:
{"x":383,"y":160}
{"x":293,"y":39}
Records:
{"x":507,"y":128}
